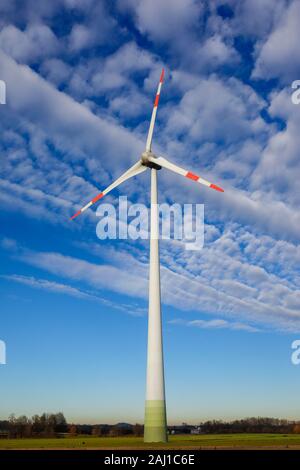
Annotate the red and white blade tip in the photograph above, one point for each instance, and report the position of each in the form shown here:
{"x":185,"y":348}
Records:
{"x":194,"y":177}
{"x":89,"y":204}
{"x":162,"y":75}
{"x":75,"y":215}
{"x":217,"y":188}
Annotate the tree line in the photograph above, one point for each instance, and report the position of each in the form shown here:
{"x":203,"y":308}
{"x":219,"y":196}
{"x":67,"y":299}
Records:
{"x":246,"y":425}
{"x":55,"y":425}
{"x":47,"y":425}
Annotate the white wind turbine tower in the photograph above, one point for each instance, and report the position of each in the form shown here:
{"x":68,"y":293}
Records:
{"x":155,"y":429}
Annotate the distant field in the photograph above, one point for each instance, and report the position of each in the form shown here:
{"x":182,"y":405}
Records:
{"x":178,"y":441}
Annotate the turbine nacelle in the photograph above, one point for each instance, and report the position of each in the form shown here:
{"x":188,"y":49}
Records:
{"x":147,"y":160}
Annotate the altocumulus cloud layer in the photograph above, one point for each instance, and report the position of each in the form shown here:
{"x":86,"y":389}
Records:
{"x":80,"y":80}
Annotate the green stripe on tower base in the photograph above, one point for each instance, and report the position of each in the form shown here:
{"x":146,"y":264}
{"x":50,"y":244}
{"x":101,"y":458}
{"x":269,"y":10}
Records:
{"x":155,"y":421}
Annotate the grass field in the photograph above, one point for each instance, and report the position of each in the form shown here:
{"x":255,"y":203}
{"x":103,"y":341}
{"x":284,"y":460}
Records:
{"x":179,"y":441}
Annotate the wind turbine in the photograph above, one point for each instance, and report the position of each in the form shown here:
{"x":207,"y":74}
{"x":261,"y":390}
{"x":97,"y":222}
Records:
{"x":155,"y":429}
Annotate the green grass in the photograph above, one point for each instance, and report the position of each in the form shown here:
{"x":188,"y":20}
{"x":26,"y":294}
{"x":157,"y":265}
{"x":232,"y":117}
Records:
{"x":178,"y":441}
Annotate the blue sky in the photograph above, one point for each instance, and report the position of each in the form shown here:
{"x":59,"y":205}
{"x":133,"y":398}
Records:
{"x":81,"y":77}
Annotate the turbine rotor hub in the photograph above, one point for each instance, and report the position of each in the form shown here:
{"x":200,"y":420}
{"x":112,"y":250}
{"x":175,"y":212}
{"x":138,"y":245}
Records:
{"x":146,"y":162}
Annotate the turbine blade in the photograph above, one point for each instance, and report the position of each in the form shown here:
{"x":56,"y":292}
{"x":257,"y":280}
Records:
{"x":136,"y":169}
{"x":181,"y":171}
{"x":154,"y":111}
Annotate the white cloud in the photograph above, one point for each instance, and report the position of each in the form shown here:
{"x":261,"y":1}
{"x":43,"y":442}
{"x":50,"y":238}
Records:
{"x":79,"y":4}
{"x":200,"y":114}
{"x":71,"y":126}
{"x":28,"y":46}
{"x":96,"y":29}
{"x":180,"y":26}
{"x":216,"y":52}
{"x":216,"y":324}
{"x":279,"y":54}
{"x":278,"y":171}
{"x":255,"y":18}
{"x":235,"y":288}
{"x":101,"y":276}
{"x":65,"y":289}
{"x":81,"y":37}
{"x":261,"y":211}
{"x":8,"y":244}
{"x":129,"y":105}
{"x":30,"y":12}
{"x":116,"y":70}
{"x":51,"y":286}
{"x":77,"y":134}
{"x":166,"y":20}
{"x":56,"y":71}
{"x":34,"y":202}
